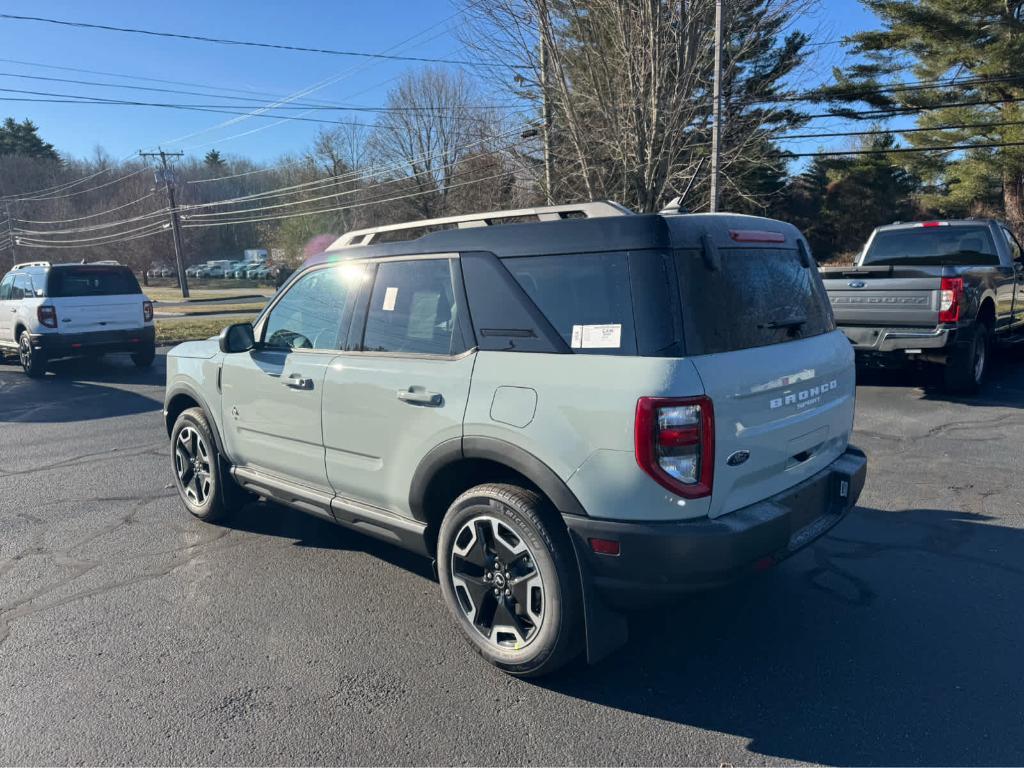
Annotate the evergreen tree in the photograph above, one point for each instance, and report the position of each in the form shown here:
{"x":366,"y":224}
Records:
{"x":214,"y":160}
{"x":23,"y":139}
{"x":973,"y":50}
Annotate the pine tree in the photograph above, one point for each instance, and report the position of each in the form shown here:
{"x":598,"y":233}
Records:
{"x":214,"y":160}
{"x":973,"y":49}
{"x":23,"y":139}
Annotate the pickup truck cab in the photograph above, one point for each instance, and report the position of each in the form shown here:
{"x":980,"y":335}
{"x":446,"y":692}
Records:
{"x":50,"y":311}
{"x":941,"y":292}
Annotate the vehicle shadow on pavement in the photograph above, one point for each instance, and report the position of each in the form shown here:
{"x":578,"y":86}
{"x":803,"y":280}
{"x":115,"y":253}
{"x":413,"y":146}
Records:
{"x":78,"y":390}
{"x":1004,"y":386}
{"x":267,"y":518}
{"x":895,"y":640}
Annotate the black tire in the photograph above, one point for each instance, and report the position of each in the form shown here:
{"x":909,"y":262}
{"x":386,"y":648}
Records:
{"x":539,"y":590}
{"x":33,"y":361}
{"x":144,"y":358}
{"x":209,"y":494}
{"x":968,"y":365}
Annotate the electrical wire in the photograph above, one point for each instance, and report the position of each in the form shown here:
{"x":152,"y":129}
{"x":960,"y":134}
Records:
{"x":250,"y":43}
{"x":90,"y":216}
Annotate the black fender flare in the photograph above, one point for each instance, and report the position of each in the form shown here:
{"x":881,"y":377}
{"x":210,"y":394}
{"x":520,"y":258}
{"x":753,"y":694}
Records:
{"x":191,"y":393}
{"x":498,"y":451}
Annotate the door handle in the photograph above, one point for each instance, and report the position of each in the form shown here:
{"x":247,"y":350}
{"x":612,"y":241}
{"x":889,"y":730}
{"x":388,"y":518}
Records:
{"x":298,"y":381}
{"x":415,"y":396}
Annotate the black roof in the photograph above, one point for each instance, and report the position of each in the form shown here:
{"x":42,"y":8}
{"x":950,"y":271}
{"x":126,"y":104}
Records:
{"x":592,"y":235}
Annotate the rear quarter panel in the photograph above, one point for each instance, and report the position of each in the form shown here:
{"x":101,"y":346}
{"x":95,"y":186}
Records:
{"x":581,"y":425}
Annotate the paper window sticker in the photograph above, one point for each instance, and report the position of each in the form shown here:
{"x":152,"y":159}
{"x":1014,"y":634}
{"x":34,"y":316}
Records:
{"x":577,"y":336}
{"x":602,"y":336}
{"x":390,"y":298}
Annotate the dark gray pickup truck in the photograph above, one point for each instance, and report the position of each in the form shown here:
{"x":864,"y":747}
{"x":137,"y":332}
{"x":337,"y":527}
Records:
{"x":935,"y":291}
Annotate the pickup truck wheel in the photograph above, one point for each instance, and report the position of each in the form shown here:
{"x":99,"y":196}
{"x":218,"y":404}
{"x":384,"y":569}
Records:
{"x":144,"y":358}
{"x":32,"y":360}
{"x":200,"y":475}
{"x":968,"y":365}
{"x":509,"y":577}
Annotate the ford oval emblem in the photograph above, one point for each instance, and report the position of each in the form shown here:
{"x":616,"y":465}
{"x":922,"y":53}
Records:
{"x":856,"y":283}
{"x":737,"y":458}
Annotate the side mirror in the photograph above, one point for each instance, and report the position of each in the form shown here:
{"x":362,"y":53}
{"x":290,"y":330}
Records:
{"x":237,"y":338}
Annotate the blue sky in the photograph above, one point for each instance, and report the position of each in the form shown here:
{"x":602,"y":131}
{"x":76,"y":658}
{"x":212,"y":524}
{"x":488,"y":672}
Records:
{"x":359,"y":25}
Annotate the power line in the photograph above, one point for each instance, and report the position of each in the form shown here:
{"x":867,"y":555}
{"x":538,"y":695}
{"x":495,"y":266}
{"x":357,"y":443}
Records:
{"x":293,"y":105}
{"x":90,"y":216}
{"x":228,"y":41}
{"x":78,"y":192}
{"x":946,"y":148}
{"x":92,"y":245}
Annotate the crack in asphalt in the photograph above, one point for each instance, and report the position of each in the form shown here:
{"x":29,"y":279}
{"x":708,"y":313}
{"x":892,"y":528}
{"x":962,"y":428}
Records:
{"x":156,"y":449}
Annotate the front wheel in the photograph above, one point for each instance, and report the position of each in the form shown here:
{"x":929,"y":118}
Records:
{"x":200,"y":474}
{"x":509,"y":577}
{"x":33,"y":361}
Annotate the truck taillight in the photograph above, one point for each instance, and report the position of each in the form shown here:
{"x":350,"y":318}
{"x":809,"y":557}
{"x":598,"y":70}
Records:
{"x":674,"y":440}
{"x":147,"y":311}
{"x":951,"y":292}
{"x":47,"y":316}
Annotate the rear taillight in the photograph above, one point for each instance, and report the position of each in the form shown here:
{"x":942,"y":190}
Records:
{"x":675,"y":443}
{"x":147,"y":311}
{"x":47,"y":316}
{"x":951,"y":292}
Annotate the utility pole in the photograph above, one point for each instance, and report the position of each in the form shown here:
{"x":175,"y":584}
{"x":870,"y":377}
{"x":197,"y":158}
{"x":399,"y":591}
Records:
{"x":545,"y":41}
{"x":167,"y":176}
{"x":716,"y":113}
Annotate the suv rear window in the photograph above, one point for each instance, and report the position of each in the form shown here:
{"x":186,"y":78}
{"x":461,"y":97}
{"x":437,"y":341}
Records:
{"x":91,"y":281}
{"x":757,"y":297}
{"x":932,"y":245}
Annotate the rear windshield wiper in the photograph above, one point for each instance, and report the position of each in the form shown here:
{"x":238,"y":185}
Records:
{"x":790,"y":322}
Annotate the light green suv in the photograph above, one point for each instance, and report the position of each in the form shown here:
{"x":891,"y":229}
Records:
{"x":573,"y":414}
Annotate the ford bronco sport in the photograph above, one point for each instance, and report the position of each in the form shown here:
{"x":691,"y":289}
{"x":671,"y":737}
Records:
{"x":49,"y":311}
{"x":572,"y":414}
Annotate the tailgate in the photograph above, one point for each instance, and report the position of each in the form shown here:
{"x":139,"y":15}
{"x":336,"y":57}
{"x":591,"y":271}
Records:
{"x":884,"y":296}
{"x":84,"y":314}
{"x":790,"y":406}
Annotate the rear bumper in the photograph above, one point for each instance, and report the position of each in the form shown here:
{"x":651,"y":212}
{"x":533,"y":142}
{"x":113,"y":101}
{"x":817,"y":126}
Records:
{"x":880,"y":339}
{"x":68,"y":344}
{"x":658,"y":560}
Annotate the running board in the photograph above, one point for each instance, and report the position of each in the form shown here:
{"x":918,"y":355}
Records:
{"x":363,"y":518}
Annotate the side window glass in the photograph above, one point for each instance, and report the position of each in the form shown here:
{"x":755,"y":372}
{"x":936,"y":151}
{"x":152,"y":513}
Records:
{"x":1014,"y":245}
{"x":5,"y":287}
{"x":22,"y":287}
{"x":413,"y":309}
{"x":310,"y":314}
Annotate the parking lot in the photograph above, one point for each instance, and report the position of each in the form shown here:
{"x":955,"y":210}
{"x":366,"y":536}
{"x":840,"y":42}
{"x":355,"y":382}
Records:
{"x":130,"y":632}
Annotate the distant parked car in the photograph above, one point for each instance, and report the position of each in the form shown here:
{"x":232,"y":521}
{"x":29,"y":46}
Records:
{"x":260,"y":272}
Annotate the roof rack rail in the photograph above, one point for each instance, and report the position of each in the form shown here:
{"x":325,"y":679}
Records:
{"x":27,"y":264}
{"x":590,"y":210}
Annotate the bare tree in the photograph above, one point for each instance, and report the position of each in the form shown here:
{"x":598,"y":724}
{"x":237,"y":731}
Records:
{"x":627,"y":84}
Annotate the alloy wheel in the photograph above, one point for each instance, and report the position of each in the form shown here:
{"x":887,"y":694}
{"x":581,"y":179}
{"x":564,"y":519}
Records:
{"x":497,"y":583}
{"x":192,"y":465}
{"x":980,"y":352}
{"x":25,"y":351}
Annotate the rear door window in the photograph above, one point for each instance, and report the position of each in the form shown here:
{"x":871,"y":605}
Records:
{"x":585,"y":297}
{"x":940,"y":245}
{"x":413,"y":309}
{"x":758,"y":297}
{"x":89,"y":280}
{"x":22,"y":287}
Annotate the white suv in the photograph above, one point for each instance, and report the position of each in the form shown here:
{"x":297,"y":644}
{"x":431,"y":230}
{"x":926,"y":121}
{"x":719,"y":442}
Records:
{"x":68,"y":310}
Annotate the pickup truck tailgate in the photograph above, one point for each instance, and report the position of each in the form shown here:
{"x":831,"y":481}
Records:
{"x":883,"y":296}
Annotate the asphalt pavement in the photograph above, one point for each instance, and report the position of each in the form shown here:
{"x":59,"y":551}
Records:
{"x":131,"y":633}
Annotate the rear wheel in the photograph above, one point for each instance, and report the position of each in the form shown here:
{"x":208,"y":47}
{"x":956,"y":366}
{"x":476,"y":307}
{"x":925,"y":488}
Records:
{"x":33,"y":361}
{"x":509,"y":577}
{"x":967,"y":367}
{"x":144,"y":358}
